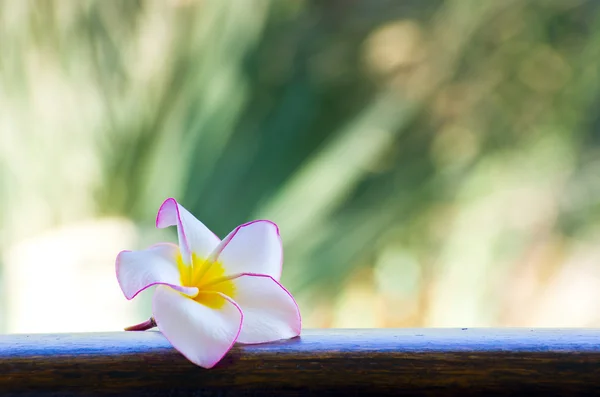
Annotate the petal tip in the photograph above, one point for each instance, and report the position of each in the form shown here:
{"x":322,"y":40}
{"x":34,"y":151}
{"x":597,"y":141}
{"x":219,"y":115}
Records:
{"x":290,"y":327}
{"x":271,"y":241}
{"x":266,"y":221}
{"x":161,"y":222}
{"x":211,"y":363}
{"x":134,"y":280}
{"x":118,"y":274}
{"x":277,"y":232}
{"x":239,"y":331}
{"x":119,"y":255}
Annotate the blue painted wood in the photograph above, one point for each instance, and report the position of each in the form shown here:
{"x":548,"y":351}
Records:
{"x":321,"y":362}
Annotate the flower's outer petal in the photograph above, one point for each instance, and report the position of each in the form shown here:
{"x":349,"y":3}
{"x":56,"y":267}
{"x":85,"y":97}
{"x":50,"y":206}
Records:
{"x":270,"y":311}
{"x":253,"y":247}
{"x":138,"y":270}
{"x":193,"y":235}
{"x":202,"y":334}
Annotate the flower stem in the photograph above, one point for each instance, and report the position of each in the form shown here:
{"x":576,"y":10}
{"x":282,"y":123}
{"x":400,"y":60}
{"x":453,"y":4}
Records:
{"x":150,"y":323}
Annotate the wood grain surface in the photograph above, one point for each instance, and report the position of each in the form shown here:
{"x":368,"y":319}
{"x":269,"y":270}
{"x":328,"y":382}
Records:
{"x":436,"y":362}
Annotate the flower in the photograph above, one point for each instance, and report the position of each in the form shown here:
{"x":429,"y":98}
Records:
{"x":212,"y":293}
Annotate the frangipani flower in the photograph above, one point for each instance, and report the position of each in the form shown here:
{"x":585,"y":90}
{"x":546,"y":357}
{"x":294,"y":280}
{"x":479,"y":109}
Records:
{"x":212,"y":293}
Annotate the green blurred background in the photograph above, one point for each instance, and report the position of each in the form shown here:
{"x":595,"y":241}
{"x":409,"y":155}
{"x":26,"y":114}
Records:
{"x":429,"y":163}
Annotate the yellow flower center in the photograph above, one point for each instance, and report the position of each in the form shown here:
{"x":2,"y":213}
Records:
{"x":208,"y":277}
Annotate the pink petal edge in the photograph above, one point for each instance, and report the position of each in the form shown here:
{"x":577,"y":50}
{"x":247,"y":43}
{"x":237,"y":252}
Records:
{"x":230,"y":236}
{"x":297,"y":331}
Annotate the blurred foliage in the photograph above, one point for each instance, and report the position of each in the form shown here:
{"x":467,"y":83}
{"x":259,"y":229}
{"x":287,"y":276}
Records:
{"x":422,"y":148}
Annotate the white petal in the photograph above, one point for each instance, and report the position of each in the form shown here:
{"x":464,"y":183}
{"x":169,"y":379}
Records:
{"x":254,"y":247}
{"x":202,"y":334}
{"x":138,"y":270}
{"x":270,"y":311}
{"x":194,"y":237}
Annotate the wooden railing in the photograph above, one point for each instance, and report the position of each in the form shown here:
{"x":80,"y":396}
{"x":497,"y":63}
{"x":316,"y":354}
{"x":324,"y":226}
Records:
{"x":436,"y":362}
